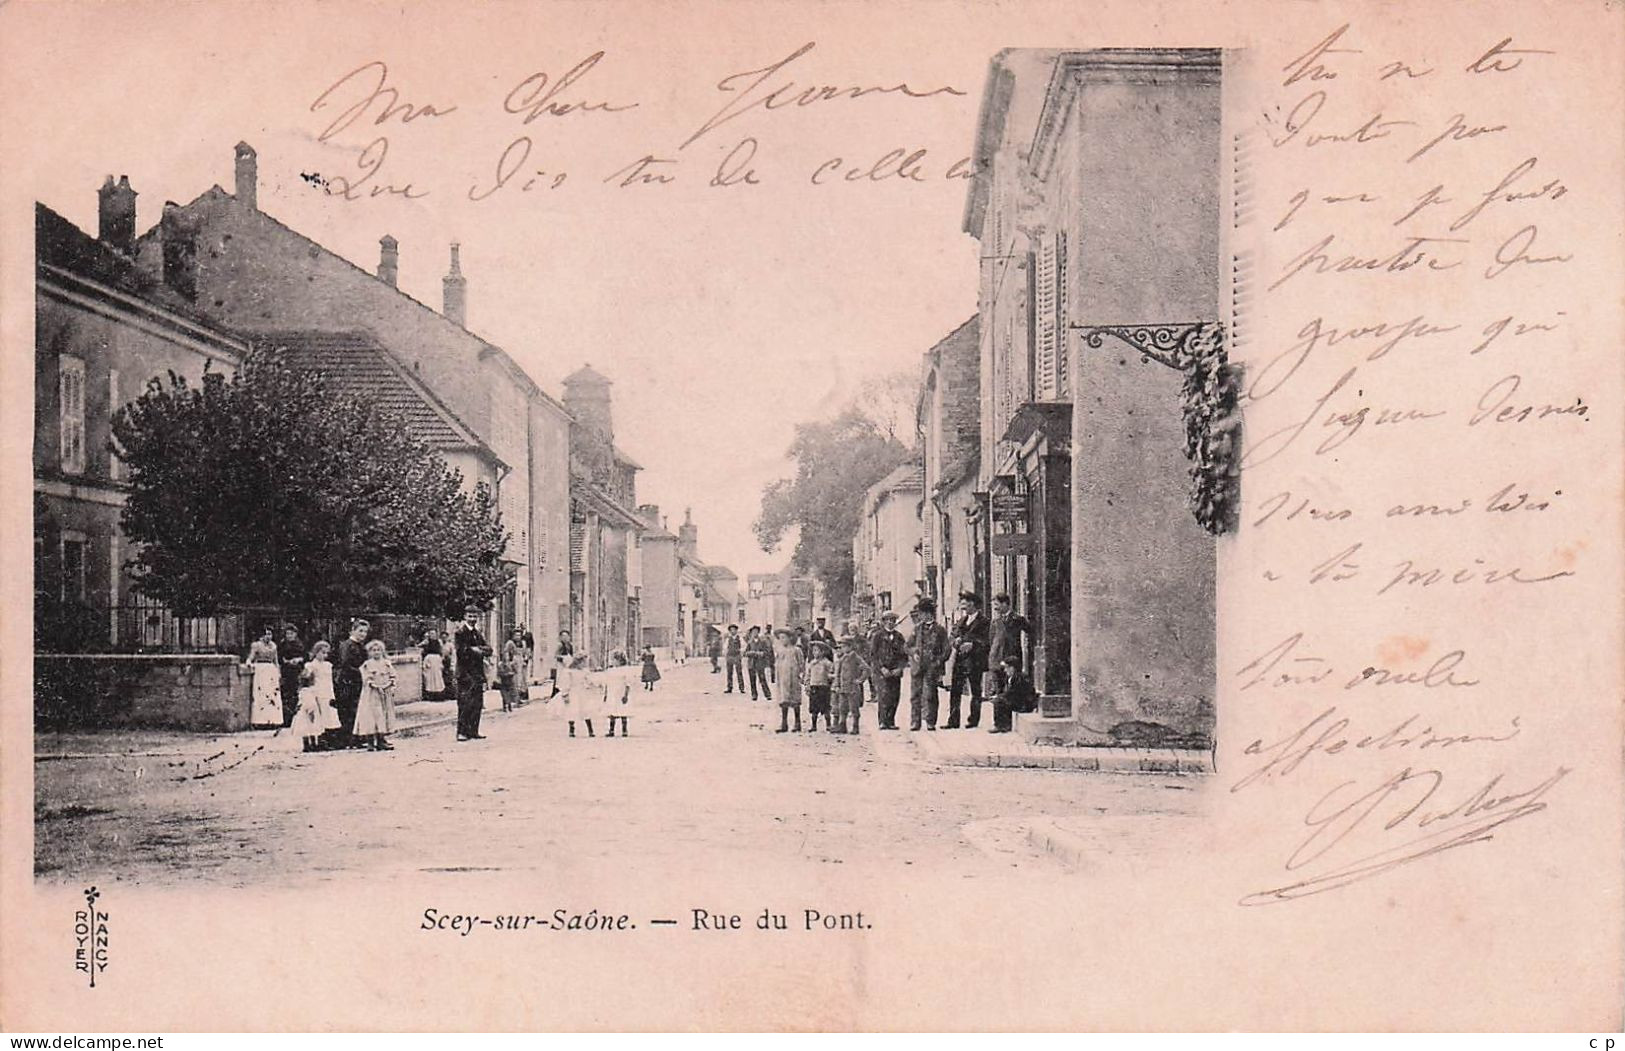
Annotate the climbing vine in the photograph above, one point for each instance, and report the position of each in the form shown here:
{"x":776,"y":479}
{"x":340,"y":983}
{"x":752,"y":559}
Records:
{"x":1212,"y":430}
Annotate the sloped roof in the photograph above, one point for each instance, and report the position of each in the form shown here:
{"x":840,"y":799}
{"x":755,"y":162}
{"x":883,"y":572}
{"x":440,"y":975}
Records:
{"x":217,"y":193}
{"x":354,"y":364}
{"x":59,"y":243}
{"x":588,"y":374}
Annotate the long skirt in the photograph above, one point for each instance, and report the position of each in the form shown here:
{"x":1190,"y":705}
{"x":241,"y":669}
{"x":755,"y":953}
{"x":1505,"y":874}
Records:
{"x":434,"y":675}
{"x":376,"y":712}
{"x":314,"y":713}
{"x":267,"y":695}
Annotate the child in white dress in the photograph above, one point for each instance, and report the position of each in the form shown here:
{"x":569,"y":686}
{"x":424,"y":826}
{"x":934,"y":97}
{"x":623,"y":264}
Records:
{"x":375,"y":715}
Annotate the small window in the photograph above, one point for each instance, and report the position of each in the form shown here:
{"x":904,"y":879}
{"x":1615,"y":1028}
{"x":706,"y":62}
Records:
{"x":73,"y":567}
{"x":71,"y":410}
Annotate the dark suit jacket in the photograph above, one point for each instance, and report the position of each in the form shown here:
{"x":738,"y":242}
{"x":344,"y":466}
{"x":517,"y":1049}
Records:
{"x":470,"y":663}
{"x":973,"y":633}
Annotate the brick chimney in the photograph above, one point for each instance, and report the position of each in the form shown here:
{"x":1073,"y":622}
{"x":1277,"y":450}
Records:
{"x":688,"y":536}
{"x":117,"y":214}
{"x":389,"y":260}
{"x":650,"y":513}
{"x":179,"y":236}
{"x":247,"y":176}
{"x":455,"y":288}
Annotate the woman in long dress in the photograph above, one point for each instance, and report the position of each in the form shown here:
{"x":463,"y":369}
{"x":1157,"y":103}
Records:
{"x":266,"y":707}
{"x":434,"y":666}
{"x":375,"y":714}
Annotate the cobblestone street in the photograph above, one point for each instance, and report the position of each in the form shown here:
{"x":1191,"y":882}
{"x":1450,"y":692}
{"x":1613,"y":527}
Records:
{"x":702,"y":776}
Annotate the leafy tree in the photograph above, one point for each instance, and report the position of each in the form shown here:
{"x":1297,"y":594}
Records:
{"x":836,"y":462}
{"x":265,"y":489}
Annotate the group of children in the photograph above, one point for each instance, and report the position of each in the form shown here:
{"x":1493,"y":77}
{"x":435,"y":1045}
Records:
{"x":375,"y":707}
{"x":583,"y":694}
{"x":832,"y":682}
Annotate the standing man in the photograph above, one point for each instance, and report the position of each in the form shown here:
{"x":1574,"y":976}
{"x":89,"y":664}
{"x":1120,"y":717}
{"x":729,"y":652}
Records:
{"x":472,"y":649}
{"x":1005,"y":634}
{"x":772,"y":665}
{"x":888,"y":656}
{"x":969,"y":644}
{"x":734,"y":657}
{"x":758,"y":658}
{"x":928,"y":653}
{"x":290,"y":653}
{"x":352,"y":654}
{"x":824,"y":635}
{"x":713,"y":647}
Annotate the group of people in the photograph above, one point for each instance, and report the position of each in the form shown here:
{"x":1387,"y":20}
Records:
{"x":981,"y":657}
{"x":343,"y":698}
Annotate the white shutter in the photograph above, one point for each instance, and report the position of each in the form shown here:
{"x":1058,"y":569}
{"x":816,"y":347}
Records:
{"x":115,"y":468}
{"x":71,"y":408}
{"x":1049,"y":309}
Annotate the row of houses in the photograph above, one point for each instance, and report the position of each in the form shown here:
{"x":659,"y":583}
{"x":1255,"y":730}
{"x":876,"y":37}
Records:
{"x":219,"y":276}
{"x":1066,"y":455}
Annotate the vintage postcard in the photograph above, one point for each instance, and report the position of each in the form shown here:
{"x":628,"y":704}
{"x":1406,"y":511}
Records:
{"x":812,"y":516}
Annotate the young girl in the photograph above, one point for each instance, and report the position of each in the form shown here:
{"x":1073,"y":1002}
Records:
{"x":788,"y":663}
{"x":579,"y":694}
{"x":618,"y":707}
{"x":267,"y":665}
{"x":375,"y":715}
{"x":434,"y":666}
{"x":321,"y":670}
{"x":508,"y":669}
{"x":820,"y":674}
{"x":651,"y":674}
{"x":307,"y":721}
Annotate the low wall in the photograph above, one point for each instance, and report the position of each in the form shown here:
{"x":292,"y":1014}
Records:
{"x":208,"y":693}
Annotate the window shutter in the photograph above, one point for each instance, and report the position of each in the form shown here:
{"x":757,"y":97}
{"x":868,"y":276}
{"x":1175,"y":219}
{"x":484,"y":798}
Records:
{"x":1050,"y":318}
{"x":71,"y":408}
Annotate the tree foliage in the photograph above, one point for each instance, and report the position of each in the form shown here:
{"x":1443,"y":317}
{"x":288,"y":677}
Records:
{"x":836,"y":461}
{"x":265,"y":489}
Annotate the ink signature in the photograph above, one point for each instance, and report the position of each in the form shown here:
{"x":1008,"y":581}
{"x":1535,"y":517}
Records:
{"x":1409,"y":794}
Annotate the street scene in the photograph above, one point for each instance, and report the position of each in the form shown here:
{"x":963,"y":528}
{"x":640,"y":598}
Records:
{"x":307,"y":547}
{"x":697,"y":773}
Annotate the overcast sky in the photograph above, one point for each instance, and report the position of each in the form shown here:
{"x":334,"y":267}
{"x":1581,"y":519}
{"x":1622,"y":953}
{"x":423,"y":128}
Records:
{"x":724,"y":315}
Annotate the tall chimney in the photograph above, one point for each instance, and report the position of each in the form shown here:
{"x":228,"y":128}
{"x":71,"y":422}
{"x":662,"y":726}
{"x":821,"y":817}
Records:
{"x":117,"y":214}
{"x":455,"y":287}
{"x":179,"y":236}
{"x":389,"y":259}
{"x":247,"y":176}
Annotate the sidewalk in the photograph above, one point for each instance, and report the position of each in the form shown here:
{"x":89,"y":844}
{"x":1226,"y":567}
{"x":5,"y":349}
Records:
{"x":980,"y":748}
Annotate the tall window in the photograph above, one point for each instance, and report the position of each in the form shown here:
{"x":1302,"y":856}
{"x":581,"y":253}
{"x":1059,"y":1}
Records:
{"x":71,"y":411}
{"x":115,"y":469}
{"x":73,"y":567}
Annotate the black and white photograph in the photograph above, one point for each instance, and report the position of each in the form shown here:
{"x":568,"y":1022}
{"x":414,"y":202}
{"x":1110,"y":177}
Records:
{"x":801,"y":517}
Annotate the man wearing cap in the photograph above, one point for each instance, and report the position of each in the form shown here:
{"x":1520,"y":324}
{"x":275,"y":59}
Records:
{"x":472,"y":649}
{"x":734,"y":656}
{"x":888,"y":656}
{"x":928,"y":652}
{"x":969,"y":644}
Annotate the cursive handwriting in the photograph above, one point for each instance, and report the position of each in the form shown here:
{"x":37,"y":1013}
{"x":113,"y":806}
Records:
{"x":750,"y":93}
{"x":1325,"y":735}
{"x":376,"y":74}
{"x":536,"y":96}
{"x":1407,"y":801}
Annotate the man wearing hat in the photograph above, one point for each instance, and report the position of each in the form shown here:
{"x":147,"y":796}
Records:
{"x":472,"y":649}
{"x":888,"y":656}
{"x":928,"y":653}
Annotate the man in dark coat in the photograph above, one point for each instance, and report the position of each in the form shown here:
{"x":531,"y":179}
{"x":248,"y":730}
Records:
{"x":759,"y":661}
{"x":290,"y":654}
{"x":1016,"y":694}
{"x":472,"y":649}
{"x":734,"y":657}
{"x":1006,"y":632}
{"x":888,"y":657}
{"x":969,"y":644}
{"x":927,"y":654}
{"x":347,"y":662}
{"x":824,"y":635}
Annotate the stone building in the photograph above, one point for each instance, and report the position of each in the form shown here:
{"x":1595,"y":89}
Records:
{"x":102,"y":330}
{"x":239,"y":266}
{"x":887,"y":573}
{"x":604,"y":524}
{"x":708,"y":595}
{"x":658,"y":608}
{"x":781,"y":599}
{"x":1097,"y":207}
{"x":948,"y":417}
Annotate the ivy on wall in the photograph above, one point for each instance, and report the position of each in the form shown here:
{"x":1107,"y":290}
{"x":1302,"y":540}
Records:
{"x":1212,"y":429}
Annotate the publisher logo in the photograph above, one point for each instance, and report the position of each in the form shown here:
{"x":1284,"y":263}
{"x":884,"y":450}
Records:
{"x":90,"y":937}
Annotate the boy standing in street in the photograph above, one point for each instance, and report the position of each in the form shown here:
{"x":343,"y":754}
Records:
{"x":850,"y":672}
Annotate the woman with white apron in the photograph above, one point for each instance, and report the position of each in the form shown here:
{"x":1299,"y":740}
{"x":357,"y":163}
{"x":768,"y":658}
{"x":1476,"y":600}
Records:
{"x":266,"y":705}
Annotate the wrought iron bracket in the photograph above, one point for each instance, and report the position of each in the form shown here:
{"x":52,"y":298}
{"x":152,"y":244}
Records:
{"x":1174,"y":344}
